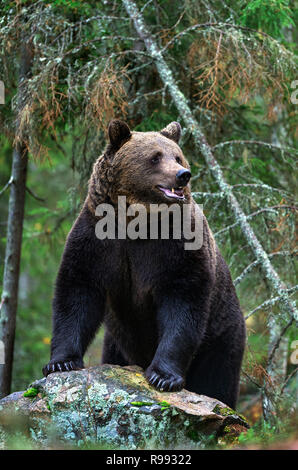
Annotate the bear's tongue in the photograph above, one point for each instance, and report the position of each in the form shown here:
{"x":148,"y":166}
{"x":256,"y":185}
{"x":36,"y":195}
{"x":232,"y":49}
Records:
{"x":175,"y":193}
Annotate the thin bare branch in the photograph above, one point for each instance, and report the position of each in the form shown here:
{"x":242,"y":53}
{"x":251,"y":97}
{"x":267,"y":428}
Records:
{"x":9,"y":182}
{"x":251,"y":379}
{"x":290,"y":376}
{"x":197,"y":27}
{"x":259,"y":186}
{"x":271,"y":302}
{"x":277,"y":342}
{"x":146,"y":95}
{"x":254,"y":214}
{"x":146,"y":4}
{"x":40,"y":199}
{"x":202,"y":194}
{"x":255,"y":142}
{"x":86,"y":21}
{"x":256,"y":262}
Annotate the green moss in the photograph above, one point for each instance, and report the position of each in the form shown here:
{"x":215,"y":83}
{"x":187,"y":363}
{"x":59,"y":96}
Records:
{"x":141,"y":403}
{"x":31,"y":392}
{"x":243,"y":418}
{"x":224,"y":411}
{"x":164,"y":404}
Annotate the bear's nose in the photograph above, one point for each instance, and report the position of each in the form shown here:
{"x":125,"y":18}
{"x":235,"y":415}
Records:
{"x":183,"y":177}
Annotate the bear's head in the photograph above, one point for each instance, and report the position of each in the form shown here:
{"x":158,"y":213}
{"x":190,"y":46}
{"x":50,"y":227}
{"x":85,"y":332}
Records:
{"x":146,"y":167}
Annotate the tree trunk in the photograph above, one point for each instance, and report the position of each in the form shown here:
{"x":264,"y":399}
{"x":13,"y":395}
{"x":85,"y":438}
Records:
{"x":166,"y":75}
{"x":9,"y":300}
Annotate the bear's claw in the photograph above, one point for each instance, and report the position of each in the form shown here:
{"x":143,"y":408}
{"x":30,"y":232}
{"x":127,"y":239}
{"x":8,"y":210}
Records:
{"x":61,"y":366}
{"x":165,"y":382}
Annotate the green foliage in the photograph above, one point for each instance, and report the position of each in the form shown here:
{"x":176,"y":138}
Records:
{"x":18,"y":441}
{"x":263,"y":434}
{"x":75,"y":5}
{"x":270,"y":16}
{"x":156,"y":121}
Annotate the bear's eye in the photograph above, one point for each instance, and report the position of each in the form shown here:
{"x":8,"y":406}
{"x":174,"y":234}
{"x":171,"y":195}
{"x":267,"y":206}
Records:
{"x":178,"y":160}
{"x":156,"y":158}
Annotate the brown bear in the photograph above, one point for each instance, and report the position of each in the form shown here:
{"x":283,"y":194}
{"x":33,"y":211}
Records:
{"x":172,"y":311}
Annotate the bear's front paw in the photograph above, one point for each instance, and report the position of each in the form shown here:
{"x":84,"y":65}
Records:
{"x":62,"y":366}
{"x":164,"y":381}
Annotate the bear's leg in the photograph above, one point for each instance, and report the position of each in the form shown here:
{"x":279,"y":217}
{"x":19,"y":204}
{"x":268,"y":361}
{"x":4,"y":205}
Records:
{"x":181,"y":328}
{"x":111,"y":353}
{"x":79,"y":301}
{"x":77,"y":316}
{"x":216,"y":374}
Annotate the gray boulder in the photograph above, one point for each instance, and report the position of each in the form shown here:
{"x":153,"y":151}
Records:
{"x":114,"y":407}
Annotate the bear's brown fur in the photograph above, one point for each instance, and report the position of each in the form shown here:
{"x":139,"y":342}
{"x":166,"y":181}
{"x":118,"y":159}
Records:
{"x":129,"y":172}
{"x":171,"y":311}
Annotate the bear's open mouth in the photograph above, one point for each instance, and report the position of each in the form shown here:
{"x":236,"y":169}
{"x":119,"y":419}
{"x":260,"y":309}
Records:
{"x":176,"y":193}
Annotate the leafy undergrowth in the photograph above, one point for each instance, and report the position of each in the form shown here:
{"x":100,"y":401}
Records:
{"x":263,"y":435}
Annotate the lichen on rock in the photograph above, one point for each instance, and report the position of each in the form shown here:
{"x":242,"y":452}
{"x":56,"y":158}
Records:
{"x":113,"y":407}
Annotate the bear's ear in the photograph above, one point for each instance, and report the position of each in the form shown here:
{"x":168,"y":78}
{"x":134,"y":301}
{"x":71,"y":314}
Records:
{"x":118,"y":132}
{"x":172,"y":131}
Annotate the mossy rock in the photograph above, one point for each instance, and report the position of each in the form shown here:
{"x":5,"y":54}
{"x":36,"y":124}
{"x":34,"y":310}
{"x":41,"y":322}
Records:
{"x":114,"y":407}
